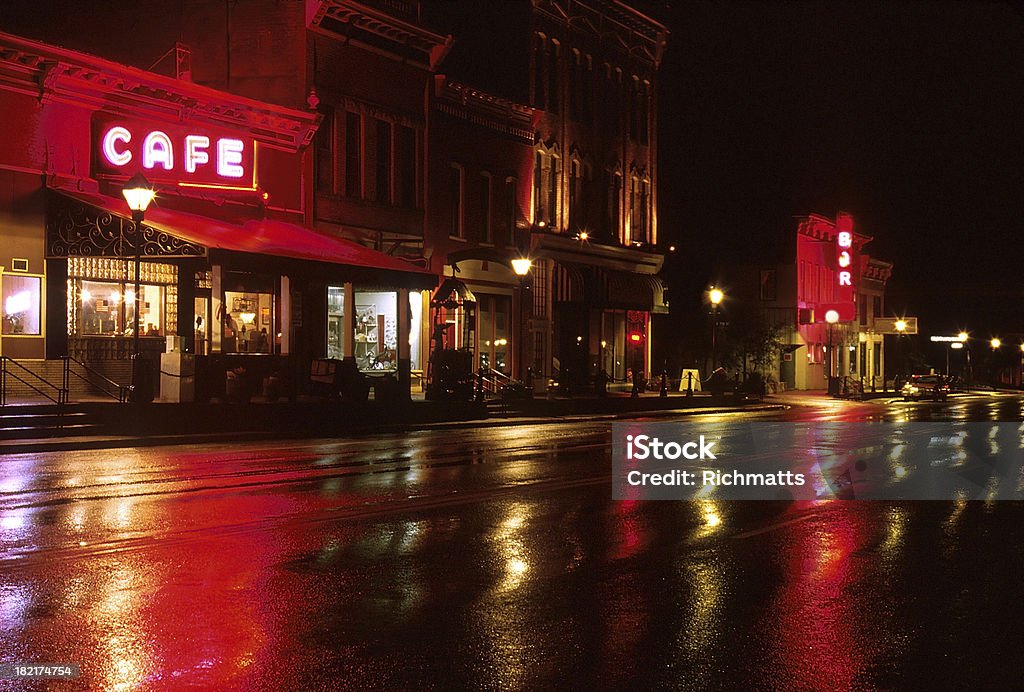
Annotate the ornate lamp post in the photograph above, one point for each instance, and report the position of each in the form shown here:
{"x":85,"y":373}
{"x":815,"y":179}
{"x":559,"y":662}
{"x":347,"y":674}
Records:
{"x":521,"y":266}
{"x":831,"y":317}
{"x":138,"y":193}
{"x":901,"y":330}
{"x":715,"y":297}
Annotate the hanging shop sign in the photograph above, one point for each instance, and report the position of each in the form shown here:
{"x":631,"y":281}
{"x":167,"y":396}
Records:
{"x":166,"y":153}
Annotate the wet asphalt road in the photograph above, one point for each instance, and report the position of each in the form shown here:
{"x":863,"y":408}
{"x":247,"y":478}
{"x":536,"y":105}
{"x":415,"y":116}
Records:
{"x":494,"y":559}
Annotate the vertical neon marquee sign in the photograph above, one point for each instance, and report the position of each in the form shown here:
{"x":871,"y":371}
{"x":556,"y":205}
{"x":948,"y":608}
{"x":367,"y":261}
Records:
{"x":846,"y":267}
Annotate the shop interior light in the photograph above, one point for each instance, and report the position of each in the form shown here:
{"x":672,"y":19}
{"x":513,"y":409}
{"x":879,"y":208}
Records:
{"x":115,"y":296}
{"x":248,"y":317}
{"x":18,"y":303}
{"x":129,"y":296}
{"x":86,"y":295}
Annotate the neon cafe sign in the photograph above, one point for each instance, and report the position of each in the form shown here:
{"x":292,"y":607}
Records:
{"x":173,"y":154}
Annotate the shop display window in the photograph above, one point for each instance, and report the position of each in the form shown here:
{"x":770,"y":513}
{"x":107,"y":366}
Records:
{"x":108,"y":308}
{"x":248,"y":322}
{"x":416,"y":314}
{"x":102,"y":301}
{"x":335,"y":322}
{"x":376,"y":337}
{"x":22,"y":305}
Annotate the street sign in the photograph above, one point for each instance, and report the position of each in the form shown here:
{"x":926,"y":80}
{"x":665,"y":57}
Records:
{"x":888,"y":325}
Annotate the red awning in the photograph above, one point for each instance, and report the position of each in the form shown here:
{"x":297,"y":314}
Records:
{"x":263,"y":237}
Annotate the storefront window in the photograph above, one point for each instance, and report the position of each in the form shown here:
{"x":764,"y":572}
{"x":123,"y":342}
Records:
{"x":248,"y":322}
{"x":416,"y":315}
{"x":109,"y":309}
{"x":376,"y":337}
{"x":101,"y":298}
{"x":21,"y":305}
{"x":335,"y":322}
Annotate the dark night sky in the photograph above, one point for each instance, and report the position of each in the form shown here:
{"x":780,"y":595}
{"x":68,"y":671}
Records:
{"x":909,"y":116}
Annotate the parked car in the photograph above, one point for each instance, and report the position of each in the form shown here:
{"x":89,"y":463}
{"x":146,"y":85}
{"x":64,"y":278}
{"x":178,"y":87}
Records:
{"x":920,"y":386}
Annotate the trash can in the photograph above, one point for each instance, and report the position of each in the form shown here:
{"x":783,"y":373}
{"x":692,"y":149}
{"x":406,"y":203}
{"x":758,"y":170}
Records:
{"x":142,"y":389}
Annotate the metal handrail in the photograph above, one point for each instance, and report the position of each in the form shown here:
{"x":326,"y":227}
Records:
{"x":122,"y":390}
{"x":5,"y":371}
{"x":492,"y":380}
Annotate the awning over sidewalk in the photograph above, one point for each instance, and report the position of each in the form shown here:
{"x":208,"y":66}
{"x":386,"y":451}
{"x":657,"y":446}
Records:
{"x":263,"y":237}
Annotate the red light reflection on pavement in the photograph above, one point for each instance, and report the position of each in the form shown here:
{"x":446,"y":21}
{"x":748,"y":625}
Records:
{"x":818,"y":645}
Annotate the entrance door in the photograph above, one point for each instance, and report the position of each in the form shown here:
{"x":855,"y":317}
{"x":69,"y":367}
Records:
{"x":202,"y":326}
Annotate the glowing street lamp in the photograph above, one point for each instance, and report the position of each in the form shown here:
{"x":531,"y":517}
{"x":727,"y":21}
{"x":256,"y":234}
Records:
{"x":831,"y":317}
{"x":715,"y":296}
{"x":521,"y":266}
{"x":901,"y":326}
{"x":995,"y":343}
{"x":138,"y":193}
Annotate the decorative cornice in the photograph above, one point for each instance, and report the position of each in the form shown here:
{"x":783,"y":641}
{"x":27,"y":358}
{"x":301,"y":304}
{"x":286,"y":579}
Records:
{"x":564,"y":248}
{"x":379,"y":21}
{"x":50,"y":72}
{"x":632,"y":32}
{"x":484,"y":109}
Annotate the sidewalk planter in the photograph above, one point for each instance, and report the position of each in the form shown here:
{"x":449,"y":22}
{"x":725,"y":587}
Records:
{"x":274,"y":387}
{"x":237,"y":387}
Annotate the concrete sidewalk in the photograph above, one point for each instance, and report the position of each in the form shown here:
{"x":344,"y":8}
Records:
{"x":170,"y":424}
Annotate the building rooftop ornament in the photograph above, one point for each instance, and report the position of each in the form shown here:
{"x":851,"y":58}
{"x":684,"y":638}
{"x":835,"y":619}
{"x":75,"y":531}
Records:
{"x":53,"y":73}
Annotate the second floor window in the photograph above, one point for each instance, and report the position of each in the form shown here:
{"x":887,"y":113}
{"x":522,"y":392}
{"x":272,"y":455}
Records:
{"x":615,"y":207}
{"x":383,"y":182}
{"x":457,"y":201}
{"x":405,"y":162}
{"x":353,"y":155}
{"x":485,"y":208}
{"x":545,"y":189}
{"x":576,"y":197}
{"x":325,"y":155}
{"x":511,"y":211}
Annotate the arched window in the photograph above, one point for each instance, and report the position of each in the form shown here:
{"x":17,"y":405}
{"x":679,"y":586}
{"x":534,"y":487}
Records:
{"x":554,"y":78}
{"x":545,"y":187}
{"x":512,"y":212}
{"x":538,"y":82}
